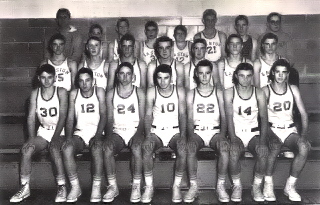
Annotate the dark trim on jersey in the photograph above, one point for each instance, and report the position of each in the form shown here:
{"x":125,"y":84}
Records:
{"x":54,"y":91}
{"x":187,"y":45}
{"x":279,"y":57}
{"x":58,"y":65}
{"x":217,"y":32}
{"x":94,"y":91}
{"x":93,"y":69}
{"x":279,"y":93}
{"x":294,"y":100}
{"x":242,"y":58}
{"x":167,"y":96}
{"x":133,"y":88}
{"x":268,"y":99}
{"x":153,"y":126}
{"x":207,"y":95}
{"x":253,"y":90}
{"x":145,"y":45}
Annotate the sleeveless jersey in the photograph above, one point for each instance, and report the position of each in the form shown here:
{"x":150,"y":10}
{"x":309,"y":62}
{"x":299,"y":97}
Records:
{"x":63,"y":74}
{"x":148,"y":53}
{"x":115,"y":50}
{"x":264,"y":72}
{"x":136,"y":72}
{"x":174,"y":71}
{"x":100,"y":79}
{"x":182,"y":56}
{"x":245,"y":111}
{"x":125,"y":110}
{"x":87,"y":114}
{"x":165,"y":109}
{"x":247,"y":48}
{"x":213,"y":47}
{"x":280,"y":107}
{"x":206,"y":114}
{"x":48,"y":110}
{"x":228,"y":73}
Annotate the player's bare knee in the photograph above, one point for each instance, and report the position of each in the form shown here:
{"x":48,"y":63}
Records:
{"x":235,"y":150}
{"x":136,"y":149}
{"x":192,"y":148}
{"x":97,"y":146}
{"x":28,"y":149}
{"x":223,"y":147}
{"x":147,"y":148}
{"x":67,"y":148}
{"x":262,"y":152}
{"x":304,"y":147}
{"x":108,"y":148}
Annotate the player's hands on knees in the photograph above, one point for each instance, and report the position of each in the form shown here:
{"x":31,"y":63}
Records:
{"x":236,"y":144}
{"x":27,"y":145}
{"x":304,"y":142}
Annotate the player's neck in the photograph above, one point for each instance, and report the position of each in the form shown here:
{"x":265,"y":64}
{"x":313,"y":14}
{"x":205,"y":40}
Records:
{"x":56,"y":57}
{"x":205,"y":88}
{"x":279,"y":87}
{"x":131,"y":59}
{"x":47,"y":93}
{"x":196,"y":60}
{"x":182,"y":44}
{"x":210,"y":31}
{"x":64,"y":29}
{"x":234,"y":57}
{"x":244,"y":89}
{"x":166,"y":91}
{"x":167,"y":61}
{"x":125,"y":90}
{"x":151,"y":41}
{"x":88,"y":93}
{"x":270,"y":56}
{"x":244,"y":37}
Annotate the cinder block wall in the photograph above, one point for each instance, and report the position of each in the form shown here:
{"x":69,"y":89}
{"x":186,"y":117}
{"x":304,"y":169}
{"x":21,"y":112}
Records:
{"x":22,"y":42}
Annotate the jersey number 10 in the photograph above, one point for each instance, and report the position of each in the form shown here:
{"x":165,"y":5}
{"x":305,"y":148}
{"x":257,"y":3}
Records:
{"x":170,"y":107}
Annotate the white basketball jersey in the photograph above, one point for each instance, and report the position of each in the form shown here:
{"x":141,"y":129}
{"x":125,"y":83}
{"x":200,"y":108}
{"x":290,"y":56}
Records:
{"x":174,"y":71}
{"x":228,"y":73}
{"x":136,"y":81}
{"x":148,"y":53}
{"x":125,"y":110}
{"x":213,"y":47}
{"x":166,"y":109}
{"x":182,"y":56}
{"x":206,"y":114}
{"x":100,"y":79}
{"x":87,"y":114}
{"x":245,"y":111}
{"x":63,"y":74}
{"x":48,"y":110}
{"x":264,"y":73}
{"x":115,"y":50}
{"x":280,"y":106}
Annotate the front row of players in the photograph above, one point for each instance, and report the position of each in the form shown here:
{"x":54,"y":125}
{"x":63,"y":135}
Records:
{"x":166,"y":115}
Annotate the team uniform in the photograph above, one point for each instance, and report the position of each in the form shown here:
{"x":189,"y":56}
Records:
{"x":87,"y":115}
{"x":136,"y":81}
{"x":245,"y":116}
{"x":148,"y":53}
{"x":247,"y":48}
{"x":264,"y":72}
{"x":165,"y":116}
{"x":174,"y":71}
{"x":100,"y":79}
{"x":48,"y":114}
{"x":280,"y":113}
{"x":228,"y":73}
{"x":213,"y":47}
{"x":63,"y":75}
{"x":115,"y":50}
{"x":182,"y":56}
{"x":126,"y":114}
{"x":206,"y":115}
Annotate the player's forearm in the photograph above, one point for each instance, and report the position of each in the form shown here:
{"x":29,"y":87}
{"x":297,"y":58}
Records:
{"x":305,"y":125}
{"x":101,"y":126}
{"x":147,"y":124}
{"x":31,"y":126}
{"x":183,"y":125}
{"x":69,"y":128}
{"x":59,"y":127}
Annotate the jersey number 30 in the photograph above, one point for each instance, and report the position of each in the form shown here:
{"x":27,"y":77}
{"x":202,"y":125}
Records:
{"x":51,"y":111}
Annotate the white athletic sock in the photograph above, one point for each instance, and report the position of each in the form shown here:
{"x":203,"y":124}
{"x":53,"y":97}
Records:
{"x":177,"y":179}
{"x":236,"y":179}
{"x":268,"y":179}
{"x":61,"y":180}
{"x":292,"y":180}
{"x":25,"y":179}
{"x":257,"y":179}
{"x":74,"y":181}
{"x":96,"y":181}
{"x":112,"y":180}
{"x":149,"y":179}
{"x":193,"y":182}
{"x":221,"y":179}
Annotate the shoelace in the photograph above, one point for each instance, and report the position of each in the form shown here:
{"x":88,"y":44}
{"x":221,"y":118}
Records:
{"x":60,"y":189}
{"x":20,"y":191}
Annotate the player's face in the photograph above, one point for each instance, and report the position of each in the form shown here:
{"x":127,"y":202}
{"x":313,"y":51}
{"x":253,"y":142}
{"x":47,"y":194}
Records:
{"x":94,"y":47}
{"x":63,"y":20}
{"x":235,"y":46}
{"x":199,"y":51}
{"x":127,"y":48}
{"x":125,"y":75}
{"x":123,"y":28}
{"x":281,"y":74}
{"x":164,"y":49}
{"x":270,"y":46}
{"x":163,"y":80}
{"x":241,"y":27}
{"x":204,"y":74}
{"x":96,"y":32}
{"x":151,"y":32}
{"x":46,"y":79}
{"x":274,"y":24}
{"x":244,"y":77}
{"x":85,"y":82}
{"x":209,"y":21}
{"x":58,"y":46}
{"x":180,"y":36}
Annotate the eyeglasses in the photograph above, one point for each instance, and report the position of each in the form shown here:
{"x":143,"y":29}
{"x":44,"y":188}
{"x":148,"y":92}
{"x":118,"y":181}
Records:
{"x":275,"y":22}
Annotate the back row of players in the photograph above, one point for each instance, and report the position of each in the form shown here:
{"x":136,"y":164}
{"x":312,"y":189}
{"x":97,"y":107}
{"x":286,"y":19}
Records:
{"x":184,"y":107}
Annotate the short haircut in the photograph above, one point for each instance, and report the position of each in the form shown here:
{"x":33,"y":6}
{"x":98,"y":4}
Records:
{"x":82,"y":71}
{"x":94,"y":26}
{"x":156,"y":44}
{"x":228,"y":41}
{"x":265,"y":37}
{"x":63,"y":10}
{"x":279,"y":62}
{"x":241,"y":66}
{"x":273,"y":14}
{"x":126,"y":37}
{"x":209,"y":12}
{"x":124,"y":64}
{"x":94,"y":38}
{"x":44,"y":68}
{"x":198,"y":40}
{"x":163,"y":68}
{"x":241,"y":17}
{"x":151,"y":24}
{"x":56,"y":36}
{"x":122,"y":20}
{"x":181,"y":28}
{"x":201,"y":63}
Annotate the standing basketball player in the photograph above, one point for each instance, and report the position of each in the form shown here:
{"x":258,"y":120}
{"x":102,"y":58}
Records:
{"x":281,"y":97}
{"x":126,"y":107}
{"x":65,"y":68}
{"x":126,"y":53}
{"x":49,"y":104}
{"x":244,"y":104}
{"x":147,"y":47}
{"x":165,"y":125}
{"x":206,"y":127}
{"x":216,"y":40}
{"x":181,"y":47}
{"x":163,"y":51}
{"x":87,"y":106}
